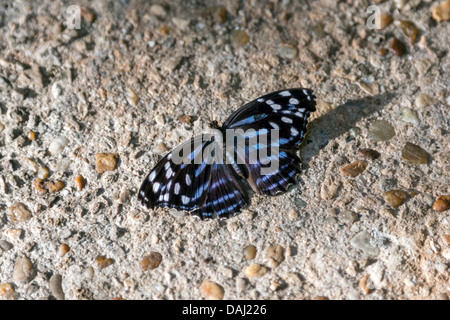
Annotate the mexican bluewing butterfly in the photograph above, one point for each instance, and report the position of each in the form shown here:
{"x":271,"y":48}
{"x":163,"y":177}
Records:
{"x":192,"y":178}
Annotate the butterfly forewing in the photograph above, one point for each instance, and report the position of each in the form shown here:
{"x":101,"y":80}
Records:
{"x":286,"y":111}
{"x":279,"y":120}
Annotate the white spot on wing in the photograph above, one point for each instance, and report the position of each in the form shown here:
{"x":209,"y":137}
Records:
{"x":166,"y":197}
{"x":155,"y":187}
{"x":152,"y":176}
{"x":293,"y":101}
{"x":285,"y":93}
{"x":184,"y":199}
{"x":270,"y":102}
{"x":188,"y":180}
{"x":294,"y":132}
{"x":177,"y":188}
{"x":260,"y":100}
{"x":169,"y":173}
{"x":275,"y":106}
{"x":286,"y":120}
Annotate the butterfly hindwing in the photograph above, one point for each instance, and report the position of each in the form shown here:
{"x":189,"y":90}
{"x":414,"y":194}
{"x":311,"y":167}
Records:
{"x":179,"y":185}
{"x":225,"y":196}
{"x":276,"y":181}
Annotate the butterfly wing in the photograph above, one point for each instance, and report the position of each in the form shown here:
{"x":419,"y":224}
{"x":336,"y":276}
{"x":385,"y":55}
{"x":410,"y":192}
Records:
{"x":277,"y":181}
{"x":286,"y":111}
{"x":225,"y":195}
{"x":209,"y":189}
{"x":181,"y":179}
{"x":278,"y":119}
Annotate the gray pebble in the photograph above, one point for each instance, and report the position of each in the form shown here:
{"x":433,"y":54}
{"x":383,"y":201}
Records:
{"x":348,"y":216}
{"x":55,"y":286}
{"x":5,"y":245}
{"x":381,"y":130}
{"x":361,"y":241}
{"x":23,"y":271}
{"x":387,"y":184}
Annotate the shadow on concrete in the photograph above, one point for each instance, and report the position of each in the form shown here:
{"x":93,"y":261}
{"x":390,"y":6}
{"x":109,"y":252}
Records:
{"x":338,"y":122}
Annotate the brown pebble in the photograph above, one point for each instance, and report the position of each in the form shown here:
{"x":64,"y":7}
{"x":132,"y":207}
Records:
{"x":274,"y":255}
{"x":186,"y":119}
{"x":38,"y":185}
{"x":63,"y":249}
{"x":7,"y":292}
{"x":441,"y":12}
{"x":397,"y":47}
{"x":385,"y":20}
{"x":293,"y":214}
{"x":13,"y":234}
{"x":447,"y":239}
{"x":409,"y":29}
{"x":220,"y":14}
{"x":164,"y":30}
{"x":363,"y":284}
{"x":88,"y":14}
{"x":210,"y":290}
{"x":369,"y":154}
{"x":354,"y":169}
{"x":132,"y":97}
{"x":43,"y":173}
{"x":103,"y":261}
{"x":383,"y":52}
{"x":42,"y":187}
{"x":250,"y":252}
{"x":31,"y":135}
{"x":18,"y":213}
{"x":80,"y":182}
{"x":320,"y":298}
{"x":55,"y":187}
{"x":255,"y":270}
{"x":414,"y":154}
{"x":276,"y":285}
{"x":395,"y":197}
{"x":442,"y":203}
{"x":152,"y":261}
{"x":239,"y":37}
{"x":106,"y":162}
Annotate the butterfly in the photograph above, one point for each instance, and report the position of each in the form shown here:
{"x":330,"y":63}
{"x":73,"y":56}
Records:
{"x":202,"y":177}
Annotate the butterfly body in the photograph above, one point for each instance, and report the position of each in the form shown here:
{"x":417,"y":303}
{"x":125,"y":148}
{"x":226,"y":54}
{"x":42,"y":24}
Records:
{"x":207,"y":174}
